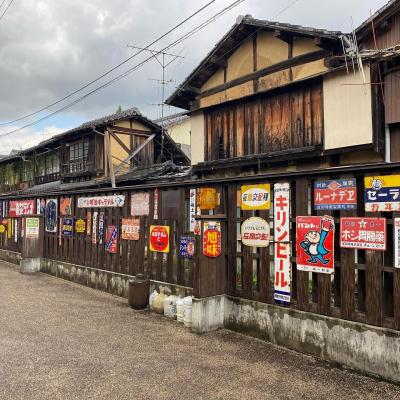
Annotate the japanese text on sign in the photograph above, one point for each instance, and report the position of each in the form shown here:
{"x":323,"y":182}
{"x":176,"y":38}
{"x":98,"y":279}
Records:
{"x":207,"y":198}
{"x":159,"y":238}
{"x":130,"y":228}
{"x":256,"y":197}
{"x":80,"y":225}
{"x":282,"y":212}
{"x":32,"y":228}
{"x":112,"y":239}
{"x":186,"y":247}
{"x":382,"y":193}
{"x":315,"y":244}
{"x":67,"y":227}
{"x":140,"y":204}
{"x":23,"y":207}
{"x":396,"y":243}
{"x":282,"y":273}
{"x":192,"y":210}
{"x":363,"y":233}
{"x":101,"y":201}
{"x":212,"y":239}
{"x":255,"y":232}
{"x":340,"y":194}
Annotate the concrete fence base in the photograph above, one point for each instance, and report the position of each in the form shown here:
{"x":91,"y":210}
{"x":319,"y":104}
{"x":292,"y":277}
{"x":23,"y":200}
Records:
{"x":368,"y":349}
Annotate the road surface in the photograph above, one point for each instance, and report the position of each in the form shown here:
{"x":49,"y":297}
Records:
{"x":59,"y":340}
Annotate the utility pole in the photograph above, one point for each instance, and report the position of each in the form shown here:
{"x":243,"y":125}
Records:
{"x":160,"y":56}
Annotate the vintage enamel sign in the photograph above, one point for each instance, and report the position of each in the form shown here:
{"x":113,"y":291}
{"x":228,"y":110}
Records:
{"x":363,"y":233}
{"x":256,"y":197}
{"x":282,"y":273}
{"x":130,"y":228}
{"x":186,"y":247}
{"x":339,"y":194}
{"x":315,"y":244}
{"x":101,"y":226}
{"x":382,"y":193}
{"x":80,"y":225}
{"x":51,"y":215}
{"x":67,"y":227}
{"x":159,"y":238}
{"x":207,"y":198}
{"x":66,"y":206}
{"x":112,"y":239}
{"x":282,"y":212}
{"x":140,"y":204}
{"x":88,"y":223}
{"x":22,"y":207}
{"x":101,"y":201}
{"x":192,"y":210}
{"x":32,"y":228}
{"x":255,"y":232}
{"x":396,"y":242}
{"x":94,"y":227}
{"x":212,"y":239}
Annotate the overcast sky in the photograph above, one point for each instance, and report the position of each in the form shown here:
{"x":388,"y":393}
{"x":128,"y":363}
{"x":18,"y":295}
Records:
{"x":49,"y":48}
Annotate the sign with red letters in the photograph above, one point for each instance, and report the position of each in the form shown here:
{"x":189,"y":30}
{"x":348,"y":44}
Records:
{"x":282,"y":212}
{"x":363,"y":233}
{"x":282,"y":273}
{"x":159,"y":238}
{"x":255,"y":232}
{"x":315,"y":244}
{"x":22,"y":207}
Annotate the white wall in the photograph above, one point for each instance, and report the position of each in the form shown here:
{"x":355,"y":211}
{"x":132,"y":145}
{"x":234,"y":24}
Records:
{"x":347,"y":109}
{"x":197,"y":137}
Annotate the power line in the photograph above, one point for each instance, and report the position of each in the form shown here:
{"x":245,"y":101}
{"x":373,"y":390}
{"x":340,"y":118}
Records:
{"x":110,"y":70}
{"x":4,"y":13}
{"x":134,"y":68}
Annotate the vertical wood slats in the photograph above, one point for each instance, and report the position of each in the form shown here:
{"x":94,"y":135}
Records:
{"x":269,"y":124}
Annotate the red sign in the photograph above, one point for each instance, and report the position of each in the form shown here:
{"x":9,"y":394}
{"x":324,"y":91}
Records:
{"x":315,"y":244}
{"x":112,"y":239}
{"x":159,"y":238}
{"x":363,"y":233}
{"x":212,"y":239}
{"x":22,"y":207}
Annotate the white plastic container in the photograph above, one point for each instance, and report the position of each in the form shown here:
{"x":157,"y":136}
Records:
{"x":151,"y":298}
{"x":170,"y":306}
{"x":187,"y":311}
{"x":179,"y":309}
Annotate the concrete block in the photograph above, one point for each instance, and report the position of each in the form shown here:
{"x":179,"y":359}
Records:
{"x":29,"y":265}
{"x":208,"y":314}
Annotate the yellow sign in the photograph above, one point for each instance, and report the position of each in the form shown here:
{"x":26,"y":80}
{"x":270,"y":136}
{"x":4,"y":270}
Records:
{"x":2,"y":229}
{"x":256,"y":197}
{"x":207,"y":198}
{"x":159,"y":238}
{"x":9,"y":229}
{"x":80,"y":226}
{"x":382,"y":193}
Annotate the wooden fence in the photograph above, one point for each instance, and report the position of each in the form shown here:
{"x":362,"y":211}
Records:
{"x":365,"y":286}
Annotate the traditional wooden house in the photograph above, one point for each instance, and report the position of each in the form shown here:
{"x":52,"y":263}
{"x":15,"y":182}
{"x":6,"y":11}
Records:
{"x":288,"y":224}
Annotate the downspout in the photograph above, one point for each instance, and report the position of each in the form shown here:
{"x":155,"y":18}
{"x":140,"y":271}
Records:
{"x":387,"y":144}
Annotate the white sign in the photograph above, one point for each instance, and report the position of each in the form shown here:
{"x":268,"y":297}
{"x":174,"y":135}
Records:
{"x":192,"y":210}
{"x":94,"y":227}
{"x":396,"y":243}
{"x":255,"y":232}
{"x":282,"y":212}
{"x":101,"y":201}
{"x":32,"y":228}
{"x":282,"y":273}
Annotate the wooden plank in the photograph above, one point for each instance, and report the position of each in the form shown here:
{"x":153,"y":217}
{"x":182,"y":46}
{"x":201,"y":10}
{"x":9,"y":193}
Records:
{"x":302,"y":276}
{"x":240,"y":121}
{"x":317,"y":114}
{"x":373,"y":282}
{"x":247,"y":266}
{"x":396,"y":290}
{"x":265,"y":264}
{"x":232,"y":238}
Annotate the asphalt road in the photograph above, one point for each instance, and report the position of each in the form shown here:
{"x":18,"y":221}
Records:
{"x":59,"y":340}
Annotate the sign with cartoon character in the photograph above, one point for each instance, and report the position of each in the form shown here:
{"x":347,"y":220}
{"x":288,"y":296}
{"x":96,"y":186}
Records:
{"x":315,"y":244}
{"x":382,"y":193}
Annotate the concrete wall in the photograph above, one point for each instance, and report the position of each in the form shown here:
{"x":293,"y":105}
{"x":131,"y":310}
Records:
{"x":365,"y":348}
{"x":10,"y":256}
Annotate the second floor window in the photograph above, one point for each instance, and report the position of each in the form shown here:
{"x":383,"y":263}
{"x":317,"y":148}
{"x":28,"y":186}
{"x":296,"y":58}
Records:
{"x":79,"y":150}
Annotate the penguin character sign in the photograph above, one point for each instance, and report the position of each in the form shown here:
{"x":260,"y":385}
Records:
{"x":315,"y":244}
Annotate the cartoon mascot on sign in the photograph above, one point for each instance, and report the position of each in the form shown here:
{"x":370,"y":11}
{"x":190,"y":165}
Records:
{"x":313,"y":243}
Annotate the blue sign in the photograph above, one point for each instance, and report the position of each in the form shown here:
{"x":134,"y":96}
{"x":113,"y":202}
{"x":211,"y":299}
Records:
{"x":67,"y":228}
{"x":186,"y":247}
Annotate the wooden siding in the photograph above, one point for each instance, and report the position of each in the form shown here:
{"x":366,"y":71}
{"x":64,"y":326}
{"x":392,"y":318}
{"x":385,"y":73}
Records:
{"x":289,"y":120}
{"x":385,"y":38}
{"x":392,"y":98}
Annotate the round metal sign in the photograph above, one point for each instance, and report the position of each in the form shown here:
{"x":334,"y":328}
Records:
{"x":255,"y":232}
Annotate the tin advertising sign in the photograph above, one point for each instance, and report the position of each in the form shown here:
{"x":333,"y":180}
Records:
{"x":339,"y":194}
{"x":159,"y":238}
{"x":256,"y":197}
{"x":112,"y":239}
{"x":315,"y":244}
{"x":382,"y":193}
{"x":255,"y":232}
{"x":363,"y":233}
{"x":212,"y":239}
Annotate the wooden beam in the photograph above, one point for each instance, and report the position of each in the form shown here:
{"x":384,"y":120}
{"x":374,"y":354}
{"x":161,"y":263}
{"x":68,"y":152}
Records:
{"x":299,"y":60}
{"x":120,"y":142}
{"x":129,"y":131}
{"x":218,"y":61}
{"x":136,"y":151}
{"x":109,"y":158}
